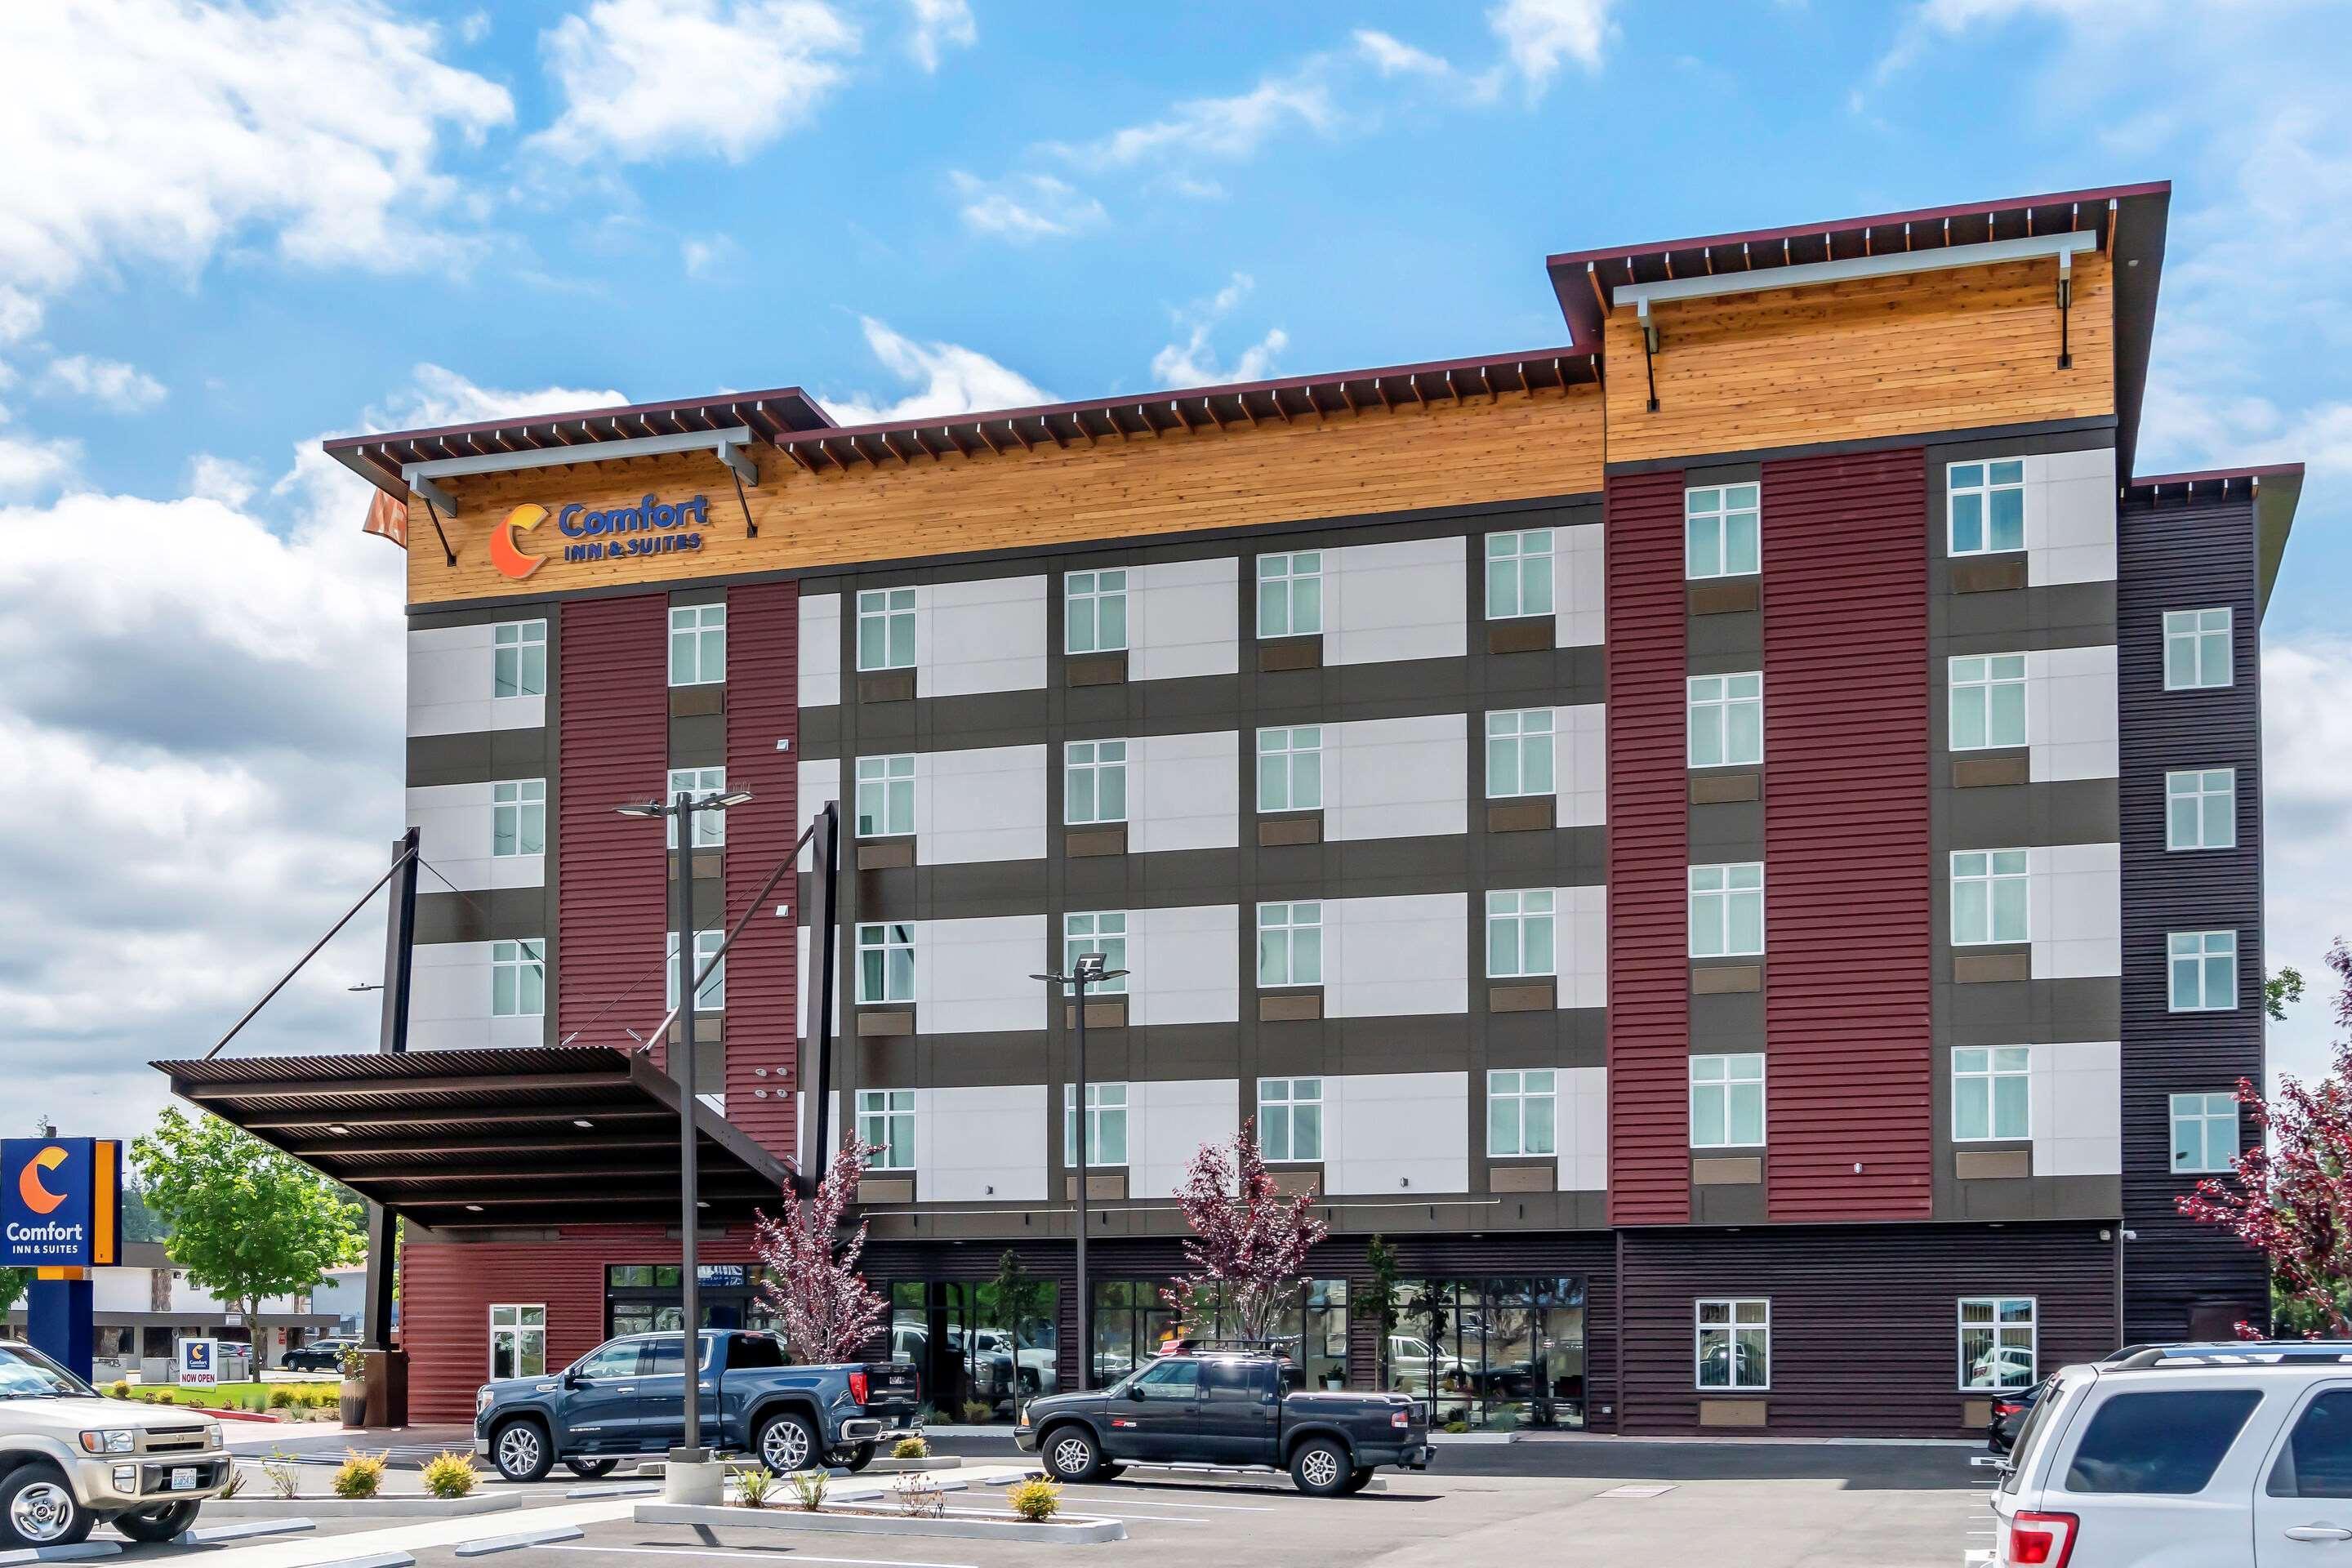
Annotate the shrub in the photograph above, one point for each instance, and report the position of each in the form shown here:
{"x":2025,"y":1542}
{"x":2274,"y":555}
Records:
{"x":361,"y":1475}
{"x":285,"y":1477}
{"x":911,"y":1448}
{"x":920,"y":1497}
{"x":353,"y":1361}
{"x":120,"y":1388}
{"x":1037,"y":1499}
{"x":450,"y":1475}
{"x":976,"y":1411}
{"x":281,"y":1398}
{"x":756,"y":1486}
{"x":1457,"y":1427}
{"x":808,"y":1488}
{"x":235,"y":1483}
{"x":1503,"y":1421}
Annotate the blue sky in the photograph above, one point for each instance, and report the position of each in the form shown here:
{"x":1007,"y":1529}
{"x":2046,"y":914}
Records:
{"x":231,"y":229}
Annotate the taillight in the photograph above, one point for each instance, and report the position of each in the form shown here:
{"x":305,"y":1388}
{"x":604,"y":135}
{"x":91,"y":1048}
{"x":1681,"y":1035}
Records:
{"x":1401,"y":1418}
{"x":858,"y":1386}
{"x":2040,"y":1540}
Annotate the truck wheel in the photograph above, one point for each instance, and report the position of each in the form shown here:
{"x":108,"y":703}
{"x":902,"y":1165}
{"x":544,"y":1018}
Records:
{"x":521,"y":1452}
{"x":157,"y":1524}
{"x":1070,"y":1452}
{"x":38,"y":1508}
{"x":856,"y":1459}
{"x":787,"y":1443}
{"x":1319,"y":1468}
{"x":591,"y":1470}
{"x":1357,"y":1480}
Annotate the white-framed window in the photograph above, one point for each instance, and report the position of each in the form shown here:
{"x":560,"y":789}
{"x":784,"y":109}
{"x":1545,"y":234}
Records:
{"x":1290,"y":945}
{"x":885,"y":797}
{"x":1719,"y":531}
{"x":518,"y":659}
{"x":1290,"y":1117}
{"x":1290,"y":594}
{"x":885,"y":629}
{"x":1985,"y":701}
{"x":697,"y":644}
{"x":1997,"y":1342}
{"x":1727,"y":910}
{"x":1102,"y":931}
{"x":1518,"y":574}
{"x":519,"y":978}
{"x":885,"y":962}
{"x":710,"y":997}
{"x":886,"y":1122}
{"x":1986,"y":502}
{"x":1105,"y":1124}
{"x":1726,"y":1102}
{"x":2201,"y":809}
{"x":1520,"y":934}
{"x":1992,"y":1092}
{"x":2197,"y":650}
{"x":1727,"y":720}
{"x":2204,"y":965}
{"x":709,"y":827}
{"x":1735,"y":1343}
{"x":518,"y":817}
{"x":1989,"y":899}
{"x":1519,"y":753}
{"x":1290,"y":768}
{"x":1094,"y":781}
{"x":1094,"y":611}
{"x":2205,"y":1130}
{"x":1522,"y":1111}
{"x":518,"y":1341}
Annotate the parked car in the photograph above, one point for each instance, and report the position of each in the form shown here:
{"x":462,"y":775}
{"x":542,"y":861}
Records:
{"x":1226,"y":1407}
{"x":628,"y":1396}
{"x":2222,"y":1456}
{"x":2009,"y":1409}
{"x":1417,"y":1366}
{"x":2003,"y":1366}
{"x":319,"y":1355}
{"x":71,"y":1460}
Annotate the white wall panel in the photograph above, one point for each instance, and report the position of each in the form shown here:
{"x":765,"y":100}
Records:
{"x":1184,"y":618}
{"x":1582,"y":944}
{"x":1183,"y":792}
{"x":2071,"y":722}
{"x":453,"y":824}
{"x":2070,"y":517}
{"x":1581,"y":737}
{"x":981,"y":1144}
{"x":2075,"y":1117}
{"x":1167,"y":1121}
{"x":449,"y":684}
{"x":1391,"y":957}
{"x":449,"y":1002}
{"x":820,"y":781}
{"x":1394,"y":601}
{"x":988,"y":636}
{"x":982,"y":804}
{"x":820,"y":659}
{"x":2075,"y":915}
{"x":1396,"y":1133}
{"x":1396,"y":778}
{"x":971,"y":976}
{"x":1186,"y":964}
{"x":1579,"y":589}
{"x":1582,"y":1118}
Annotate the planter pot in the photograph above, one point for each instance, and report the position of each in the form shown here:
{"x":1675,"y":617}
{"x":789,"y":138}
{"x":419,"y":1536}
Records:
{"x":354,"y":1402}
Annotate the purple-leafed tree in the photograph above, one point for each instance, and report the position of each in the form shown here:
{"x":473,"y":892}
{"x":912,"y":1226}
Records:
{"x":809,"y":1277}
{"x":1249,"y":1241}
{"x":2290,"y":1195}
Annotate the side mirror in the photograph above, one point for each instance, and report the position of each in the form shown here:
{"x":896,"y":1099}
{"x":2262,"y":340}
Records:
{"x":1135,"y":1391}
{"x":573,"y":1380}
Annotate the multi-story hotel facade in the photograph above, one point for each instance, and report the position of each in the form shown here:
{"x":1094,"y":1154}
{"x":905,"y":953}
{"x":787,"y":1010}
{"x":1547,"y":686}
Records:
{"x":1733,"y":846}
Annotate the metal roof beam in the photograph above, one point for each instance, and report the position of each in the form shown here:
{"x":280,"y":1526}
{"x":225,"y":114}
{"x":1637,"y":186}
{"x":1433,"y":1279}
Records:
{"x":726,"y":444}
{"x":1892,"y":263}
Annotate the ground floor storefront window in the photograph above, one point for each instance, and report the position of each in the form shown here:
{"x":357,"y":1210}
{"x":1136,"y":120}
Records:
{"x":518,"y":1341}
{"x":1498,"y":1352}
{"x":981,"y":1346}
{"x":645,"y":1298}
{"x":1133,"y":1321}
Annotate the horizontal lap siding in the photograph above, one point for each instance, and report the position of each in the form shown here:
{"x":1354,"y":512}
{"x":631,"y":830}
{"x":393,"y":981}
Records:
{"x":1846,"y":996}
{"x":762,"y":746}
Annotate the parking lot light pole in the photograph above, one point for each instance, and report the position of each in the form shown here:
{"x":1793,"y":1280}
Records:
{"x":1088,"y":970}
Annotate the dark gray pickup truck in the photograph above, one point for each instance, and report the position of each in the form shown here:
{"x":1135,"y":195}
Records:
{"x":628,"y":1396}
{"x":1226,"y":1407}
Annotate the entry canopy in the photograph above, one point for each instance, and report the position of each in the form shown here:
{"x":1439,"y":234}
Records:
{"x":476,"y":1140}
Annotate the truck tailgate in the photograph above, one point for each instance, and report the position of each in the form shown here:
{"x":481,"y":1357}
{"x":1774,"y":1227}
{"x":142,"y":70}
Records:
{"x":892,"y":1382}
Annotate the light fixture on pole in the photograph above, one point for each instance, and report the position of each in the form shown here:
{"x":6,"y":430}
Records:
{"x":1087,"y":969}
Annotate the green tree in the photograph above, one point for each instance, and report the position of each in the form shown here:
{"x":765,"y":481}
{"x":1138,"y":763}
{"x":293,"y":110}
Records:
{"x":13,"y":1285}
{"x":1380,"y":1301}
{"x":2280,"y":989}
{"x":246,"y":1222}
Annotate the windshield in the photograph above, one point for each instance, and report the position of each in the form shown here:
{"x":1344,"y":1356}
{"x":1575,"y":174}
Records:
{"x":2037,"y":1421}
{"x":26,"y":1373}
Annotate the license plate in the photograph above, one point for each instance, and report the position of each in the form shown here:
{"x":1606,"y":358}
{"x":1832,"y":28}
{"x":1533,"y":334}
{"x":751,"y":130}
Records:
{"x":184,"y":1480}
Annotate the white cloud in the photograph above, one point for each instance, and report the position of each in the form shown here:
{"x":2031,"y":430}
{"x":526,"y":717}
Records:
{"x":1192,"y":363}
{"x":110,"y":383}
{"x":1540,"y":35}
{"x":20,"y":314}
{"x":646,"y":80}
{"x":1391,"y":58}
{"x":948,"y":378}
{"x":31,"y":467}
{"x":708,"y":256}
{"x":2307,"y":827}
{"x":223,"y":479}
{"x":937,"y":23}
{"x":1024,"y":207}
{"x":1227,"y":128}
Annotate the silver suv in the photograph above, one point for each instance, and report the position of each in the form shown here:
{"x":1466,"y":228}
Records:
{"x":69,"y":1459}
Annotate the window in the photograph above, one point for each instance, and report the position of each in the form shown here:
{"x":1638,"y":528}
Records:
{"x":617,"y":1360}
{"x":518,"y":1342}
{"x":1520,"y":934}
{"x":1988,"y":507}
{"x":885,"y":797}
{"x":2204,"y":970}
{"x":1102,"y":933}
{"x":1726,"y":1102}
{"x":1727,"y":910}
{"x":2161,"y":1443}
{"x":2317,"y":1460}
{"x":2204,"y":1132}
{"x":517,"y":979}
{"x":518,"y":659}
{"x":710,"y":997}
{"x":1991,"y":1091}
{"x":885,"y":629}
{"x":1727,"y":720}
{"x":1518,"y":574}
{"x":1290,"y":1117}
{"x":1719,"y":531}
{"x":518,"y":817}
{"x":1519,"y":753}
{"x":2201,"y":809}
{"x":2196,"y":649}
{"x":1986,"y":702}
{"x":1290,"y":945}
{"x":1290,"y":769}
{"x":1735,"y":1344}
{"x":1290,"y":595}
{"x":885,"y":962}
{"x":1520,"y":1112}
{"x":1996,"y":1348}
{"x":1178,"y":1378}
{"x":1105,"y":1124}
{"x":697,"y":644}
{"x":1094,"y":781}
{"x":885,"y":1120}
{"x":1094,"y":618}
{"x":1988,"y":896}
{"x":709,"y":827}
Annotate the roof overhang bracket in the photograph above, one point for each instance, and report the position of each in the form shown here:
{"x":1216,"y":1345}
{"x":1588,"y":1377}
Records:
{"x":434,"y":494}
{"x":1649,"y":347}
{"x":448,"y":554}
{"x":2065,"y":310}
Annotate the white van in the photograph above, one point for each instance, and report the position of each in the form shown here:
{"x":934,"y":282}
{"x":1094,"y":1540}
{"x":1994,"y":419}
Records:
{"x":2212,"y":1455}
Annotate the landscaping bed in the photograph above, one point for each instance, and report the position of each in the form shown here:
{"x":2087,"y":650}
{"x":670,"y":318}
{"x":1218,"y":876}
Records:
{"x":1077,"y":1531}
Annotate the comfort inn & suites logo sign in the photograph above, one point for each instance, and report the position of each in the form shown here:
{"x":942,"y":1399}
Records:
{"x":60,"y":1199}
{"x":651,"y":526}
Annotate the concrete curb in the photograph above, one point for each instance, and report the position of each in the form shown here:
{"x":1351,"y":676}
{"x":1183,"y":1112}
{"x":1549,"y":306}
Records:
{"x":490,"y":1545}
{"x":74,"y":1553}
{"x":901,"y":1466}
{"x":366,"y":1508}
{"x":372,"y":1560}
{"x":221,"y":1535}
{"x":1077,"y":1532}
{"x":616,"y":1488}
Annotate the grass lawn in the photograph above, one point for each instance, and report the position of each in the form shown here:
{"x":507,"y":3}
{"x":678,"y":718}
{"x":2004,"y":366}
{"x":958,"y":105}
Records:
{"x":236,"y":1395}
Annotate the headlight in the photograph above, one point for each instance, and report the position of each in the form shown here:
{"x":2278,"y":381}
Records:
{"x":109,"y":1442}
{"x":482,"y":1400}
{"x":212,"y":1435}
{"x":1025,"y":1416}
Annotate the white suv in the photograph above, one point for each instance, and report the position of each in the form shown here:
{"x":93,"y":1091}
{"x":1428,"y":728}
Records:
{"x":2212,"y":1455}
{"x":69,"y":1459}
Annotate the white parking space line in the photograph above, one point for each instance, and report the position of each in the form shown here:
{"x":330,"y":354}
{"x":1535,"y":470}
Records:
{"x":768,"y":1555}
{"x":1129,"y":1499}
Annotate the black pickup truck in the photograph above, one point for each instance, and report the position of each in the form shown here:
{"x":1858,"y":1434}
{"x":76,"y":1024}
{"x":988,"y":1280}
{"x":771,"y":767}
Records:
{"x":628,"y":1396}
{"x":1227,"y":1408}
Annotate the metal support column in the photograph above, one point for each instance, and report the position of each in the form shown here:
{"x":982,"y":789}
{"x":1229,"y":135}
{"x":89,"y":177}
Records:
{"x":824,"y":853}
{"x":690,"y":1183}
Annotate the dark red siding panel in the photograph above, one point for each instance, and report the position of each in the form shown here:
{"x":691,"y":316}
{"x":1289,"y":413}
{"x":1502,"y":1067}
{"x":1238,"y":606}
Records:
{"x":763,"y":756}
{"x":1649,"y":963}
{"x":612,"y":871}
{"x":1846,"y":997}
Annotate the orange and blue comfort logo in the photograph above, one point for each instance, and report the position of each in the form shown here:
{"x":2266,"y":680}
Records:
{"x":651,"y":526}
{"x":60,"y":1201}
